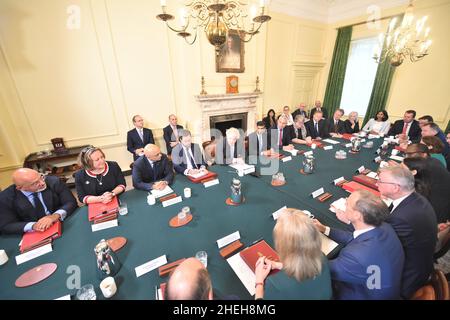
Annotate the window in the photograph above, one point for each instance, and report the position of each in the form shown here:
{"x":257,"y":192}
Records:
{"x":359,"y":76}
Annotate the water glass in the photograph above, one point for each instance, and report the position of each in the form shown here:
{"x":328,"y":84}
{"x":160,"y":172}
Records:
{"x":123,"y":209}
{"x":202,"y":256}
{"x":86,"y":292}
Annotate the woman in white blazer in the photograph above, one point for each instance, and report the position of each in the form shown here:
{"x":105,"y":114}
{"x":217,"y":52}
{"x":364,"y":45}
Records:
{"x":379,"y":125}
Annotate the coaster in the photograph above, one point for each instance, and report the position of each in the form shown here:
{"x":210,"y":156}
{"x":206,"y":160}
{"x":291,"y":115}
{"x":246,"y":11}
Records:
{"x":230,"y":202}
{"x":303,"y":172}
{"x":116,"y":243}
{"x":278,"y":183}
{"x":36,"y":275}
{"x":176,"y":223}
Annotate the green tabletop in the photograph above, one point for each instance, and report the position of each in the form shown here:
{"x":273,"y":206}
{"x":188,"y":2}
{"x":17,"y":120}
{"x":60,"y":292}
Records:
{"x":149,"y":235}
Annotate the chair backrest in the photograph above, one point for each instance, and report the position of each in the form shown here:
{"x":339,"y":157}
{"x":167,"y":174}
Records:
{"x":425,"y":293}
{"x":444,"y":244}
{"x":440,"y":285}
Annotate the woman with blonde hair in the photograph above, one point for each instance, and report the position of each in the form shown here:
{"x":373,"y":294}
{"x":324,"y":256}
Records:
{"x":304,"y":272}
{"x":98,"y":180}
{"x":351,"y":125}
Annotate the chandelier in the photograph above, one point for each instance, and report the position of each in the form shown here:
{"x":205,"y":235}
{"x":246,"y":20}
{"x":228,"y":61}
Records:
{"x":216,"y":17}
{"x":409,"y":40}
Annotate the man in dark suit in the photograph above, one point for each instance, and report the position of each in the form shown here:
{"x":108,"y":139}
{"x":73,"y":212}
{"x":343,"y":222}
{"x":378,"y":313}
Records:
{"x":281,"y":137}
{"x":231,"y":149}
{"x":171,"y":133}
{"x":432,"y":130}
{"x":335,"y":126}
{"x":153,"y":171}
{"x":34,"y":202}
{"x":187,"y":157}
{"x":139,"y":137}
{"x":408,"y":126}
{"x":317,"y":127}
{"x":414,"y":221}
{"x":258,"y":142}
{"x":318,"y":107}
{"x":300,"y":111}
{"x":370,"y":264}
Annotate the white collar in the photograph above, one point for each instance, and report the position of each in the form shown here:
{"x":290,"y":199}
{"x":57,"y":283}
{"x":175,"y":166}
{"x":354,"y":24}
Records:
{"x":150,"y":161}
{"x":357,"y":233}
{"x":396,"y":202}
{"x":104,"y":173}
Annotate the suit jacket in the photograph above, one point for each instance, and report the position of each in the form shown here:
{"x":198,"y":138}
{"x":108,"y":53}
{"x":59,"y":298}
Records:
{"x":254,"y":143}
{"x":299,"y":134}
{"x":313,"y":110}
{"x":414,"y":134}
{"x":223,"y":152}
{"x":297,"y":112}
{"x":340,"y":128}
{"x":144,"y":175}
{"x":352,"y":271}
{"x":179,"y":158}
{"x":16,"y":210}
{"x":272,"y":136}
{"x":348,"y":127}
{"x":323,"y":130}
{"x":170,"y":137}
{"x":267,"y":123}
{"x":134,"y":141}
{"x":414,"y":221}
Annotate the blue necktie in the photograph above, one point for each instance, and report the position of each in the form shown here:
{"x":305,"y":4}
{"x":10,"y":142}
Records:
{"x":39,"y":208}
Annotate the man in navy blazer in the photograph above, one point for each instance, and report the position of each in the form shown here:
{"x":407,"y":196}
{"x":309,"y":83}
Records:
{"x":317,"y":127}
{"x":187,"y":157}
{"x":139,"y":137}
{"x":371,"y":262}
{"x":34,"y":202}
{"x":153,"y":171}
{"x":171,"y":133}
{"x":409,"y":126}
{"x":414,"y":221}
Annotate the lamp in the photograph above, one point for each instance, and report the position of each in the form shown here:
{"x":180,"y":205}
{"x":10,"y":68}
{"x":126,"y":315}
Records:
{"x":404,"y":41}
{"x":216,"y":17}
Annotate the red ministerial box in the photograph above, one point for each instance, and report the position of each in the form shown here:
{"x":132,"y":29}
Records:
{"x":367,"y":181}
{"x":209,"y":175}
{"x":353,"y":186}
{"x":97,"y":210}
{"x":317,"y":143}
{"x":32,"y":240}
{"x":347,"y":136}
{"x":251,"y":254}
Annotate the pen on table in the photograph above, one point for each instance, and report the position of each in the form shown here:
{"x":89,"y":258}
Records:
{"x":256,"y":241}
{"x":156,"y":293}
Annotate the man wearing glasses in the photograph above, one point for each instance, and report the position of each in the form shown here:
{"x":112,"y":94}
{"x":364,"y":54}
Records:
{"x":414,"y":221}
{"x":34,"y":202}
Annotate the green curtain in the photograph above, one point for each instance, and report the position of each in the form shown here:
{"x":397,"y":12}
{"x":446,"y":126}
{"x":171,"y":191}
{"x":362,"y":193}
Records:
{"x":381,"y":86}
{"x":447,"y":130}
{"x":335,"y":84}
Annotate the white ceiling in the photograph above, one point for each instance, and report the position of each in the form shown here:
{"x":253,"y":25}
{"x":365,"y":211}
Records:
{"x":331,"y":11}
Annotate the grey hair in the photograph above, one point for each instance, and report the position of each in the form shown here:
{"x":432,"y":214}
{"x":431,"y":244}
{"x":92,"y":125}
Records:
{"x":402,"y":176}
{"x":372,"y":208}
{"x":233,"y":132}
{"x":184,"y":133}
{"x":299,"y":117}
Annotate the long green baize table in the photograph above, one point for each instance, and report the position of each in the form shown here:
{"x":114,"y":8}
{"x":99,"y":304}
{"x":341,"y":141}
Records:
{"x":149,"y":235}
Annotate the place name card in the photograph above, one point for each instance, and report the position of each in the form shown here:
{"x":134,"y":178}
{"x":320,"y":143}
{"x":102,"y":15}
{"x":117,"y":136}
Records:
{"x":249,"y":170}
{"x":363,"y":140}
{"x":317,"y":193}
{"x":172,"y":201}
{"x":104,"y":225}
{"x":151,"y":265}
{"x":285,"y":159}
{"x":228,"y":239}
{"x":397,"y":158}
{"x":293,"y":152}
{"x":377,"y":159}
{"x":328,"y":148}
{"x":27,"y":256}
{"x":331,"y":141}
{"x":211,"y":183}
{"x":348,"y":145}
{"x":277,"y":213}
{"x":309,"y":153}
{"x":372,"y":175}
{"x":66,"y":297}
{"x":336,"y":181}
{"x":374,"y":136}
{"x":361,"y":169}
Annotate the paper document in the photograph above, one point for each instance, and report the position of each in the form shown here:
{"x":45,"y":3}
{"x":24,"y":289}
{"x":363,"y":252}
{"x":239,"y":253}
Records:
{"x":244,"y":273}
{"x":331,"y":141}
{"x":328,"y":245}
{"x":163,"y":192}
{"x":199,"y":174}
{"x":339,"y":204}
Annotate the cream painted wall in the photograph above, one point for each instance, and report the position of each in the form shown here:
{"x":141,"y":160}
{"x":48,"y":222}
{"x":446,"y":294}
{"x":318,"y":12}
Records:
{"x":423,"y":86}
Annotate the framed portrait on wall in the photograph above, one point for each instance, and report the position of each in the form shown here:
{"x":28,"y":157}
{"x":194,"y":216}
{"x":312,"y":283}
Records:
{"x":231,"y":56}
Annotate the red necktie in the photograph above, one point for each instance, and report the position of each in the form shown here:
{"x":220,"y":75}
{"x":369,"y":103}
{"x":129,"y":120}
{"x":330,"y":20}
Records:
{"x":280,"y":143}
{"x":404,"y":128}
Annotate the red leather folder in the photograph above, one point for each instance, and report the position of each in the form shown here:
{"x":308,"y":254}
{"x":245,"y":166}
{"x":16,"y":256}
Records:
{"x":367,"y":181}
{"x":98,"y":210}
{"x":347,"y":136}
{"x":33,"y":240}
{"x":251,"y":254}
{"x":209,"y":175}
{"x":318,"y":143}
{"x":353,"y":186}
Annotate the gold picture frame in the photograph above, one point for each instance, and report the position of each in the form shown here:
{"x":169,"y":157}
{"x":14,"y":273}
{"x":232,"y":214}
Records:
{"x":231,"y":56}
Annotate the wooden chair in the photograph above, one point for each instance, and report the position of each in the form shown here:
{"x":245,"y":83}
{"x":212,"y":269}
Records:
{"x":440,"y":285}
{"x":425,"y":293}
